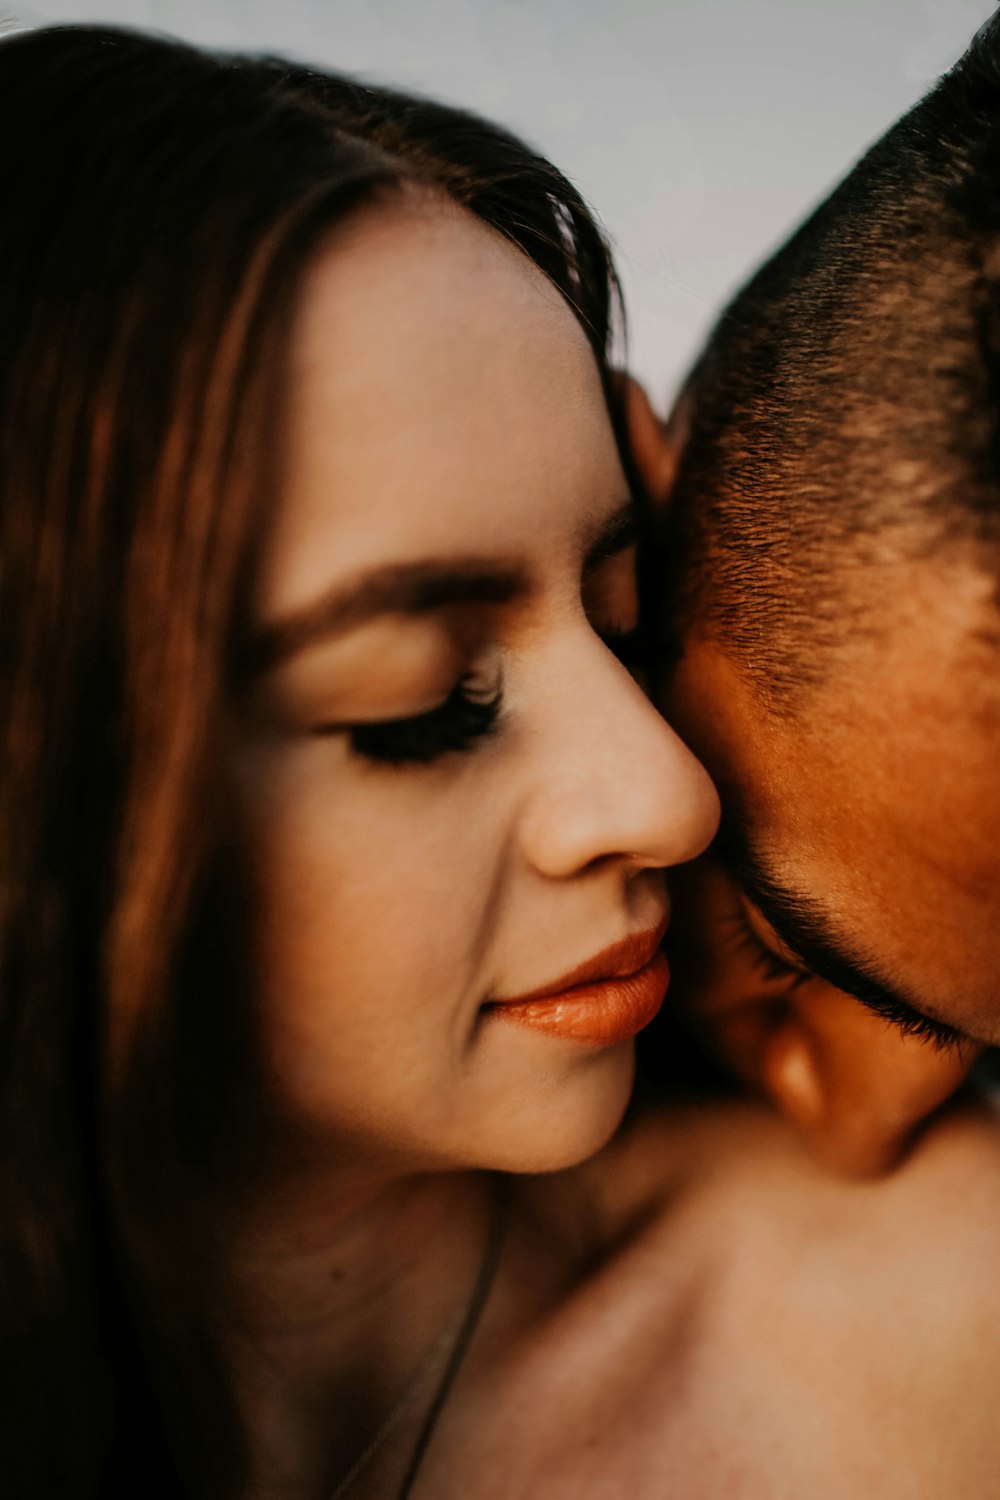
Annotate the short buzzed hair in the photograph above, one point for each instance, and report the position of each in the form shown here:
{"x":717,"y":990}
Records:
{"x":844,"y":416}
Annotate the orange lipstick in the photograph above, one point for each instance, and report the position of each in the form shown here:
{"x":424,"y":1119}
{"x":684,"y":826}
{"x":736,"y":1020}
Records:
{"x":603,"y":1001}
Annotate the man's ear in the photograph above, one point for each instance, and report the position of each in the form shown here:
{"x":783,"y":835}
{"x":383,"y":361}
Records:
{"x":852,"y":1084}
{"x":655,"y":452}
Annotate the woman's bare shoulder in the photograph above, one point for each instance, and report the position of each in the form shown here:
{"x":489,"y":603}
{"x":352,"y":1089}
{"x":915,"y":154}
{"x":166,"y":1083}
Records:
{"x":737,"y":1161}
{"x":888,"y":1274}
{"x":815,"y":1335}
{"x":876,"y":1302}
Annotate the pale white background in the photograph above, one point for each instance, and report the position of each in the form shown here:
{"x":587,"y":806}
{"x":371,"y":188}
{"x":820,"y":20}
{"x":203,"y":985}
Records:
{"x":702,"y":130}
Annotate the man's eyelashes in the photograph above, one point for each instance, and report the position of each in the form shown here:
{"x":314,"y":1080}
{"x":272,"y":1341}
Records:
{"x":774,"y":970}
{"x":908,"y":1022}
{"x":768,"y":966}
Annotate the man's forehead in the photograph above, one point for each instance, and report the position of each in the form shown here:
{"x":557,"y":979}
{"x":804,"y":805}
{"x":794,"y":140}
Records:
{"x":921,"y":697}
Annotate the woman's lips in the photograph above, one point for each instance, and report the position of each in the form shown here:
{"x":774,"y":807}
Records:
{"x":603,"y":1001}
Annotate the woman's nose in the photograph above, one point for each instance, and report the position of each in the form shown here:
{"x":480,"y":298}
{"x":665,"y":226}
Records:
{"x":614,"y":782}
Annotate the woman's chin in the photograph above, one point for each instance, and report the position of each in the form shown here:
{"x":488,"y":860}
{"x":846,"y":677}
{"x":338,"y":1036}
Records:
{"x":560,"y":1117}
{"x":530,"y":1104}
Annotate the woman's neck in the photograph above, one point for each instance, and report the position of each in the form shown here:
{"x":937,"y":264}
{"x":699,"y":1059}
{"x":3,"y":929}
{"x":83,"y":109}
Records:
{"x":327,"y":1295}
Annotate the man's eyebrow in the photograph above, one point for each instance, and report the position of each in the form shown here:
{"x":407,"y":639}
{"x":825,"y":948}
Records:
{"x":805,"y":928}
{"x":410,"y":588}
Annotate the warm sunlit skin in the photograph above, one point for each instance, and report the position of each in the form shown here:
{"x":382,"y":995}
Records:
{"x":879,"y":805}
{"x":880,"y":801}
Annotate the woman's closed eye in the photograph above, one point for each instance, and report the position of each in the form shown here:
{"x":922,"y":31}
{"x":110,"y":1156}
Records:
{"x":468,"y":714}
{"x":469,"y":709}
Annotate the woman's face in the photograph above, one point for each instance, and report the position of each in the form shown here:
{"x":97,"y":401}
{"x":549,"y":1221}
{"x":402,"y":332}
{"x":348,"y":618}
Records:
{"x":452,"y":790}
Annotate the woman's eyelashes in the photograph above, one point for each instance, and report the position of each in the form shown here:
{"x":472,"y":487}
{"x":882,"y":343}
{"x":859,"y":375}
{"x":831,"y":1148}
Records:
{"x":469,"y":714}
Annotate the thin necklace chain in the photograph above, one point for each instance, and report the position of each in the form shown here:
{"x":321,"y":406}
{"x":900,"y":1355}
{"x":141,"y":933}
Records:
{"x":410,"y":1392}
{"x":460,"y":1343}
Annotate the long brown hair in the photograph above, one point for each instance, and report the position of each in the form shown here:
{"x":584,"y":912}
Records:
{"x":160,"y":206}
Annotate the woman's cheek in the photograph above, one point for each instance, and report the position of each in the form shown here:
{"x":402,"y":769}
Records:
{"x":371,"y":906}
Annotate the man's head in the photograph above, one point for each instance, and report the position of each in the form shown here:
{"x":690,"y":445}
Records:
{"x":832,"y":572}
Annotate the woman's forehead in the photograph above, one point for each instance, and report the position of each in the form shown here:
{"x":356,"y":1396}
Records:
{"x":443,"y":399}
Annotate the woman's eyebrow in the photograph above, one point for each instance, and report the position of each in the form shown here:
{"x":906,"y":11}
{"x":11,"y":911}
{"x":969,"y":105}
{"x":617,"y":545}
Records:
{"x":411,"y":588}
